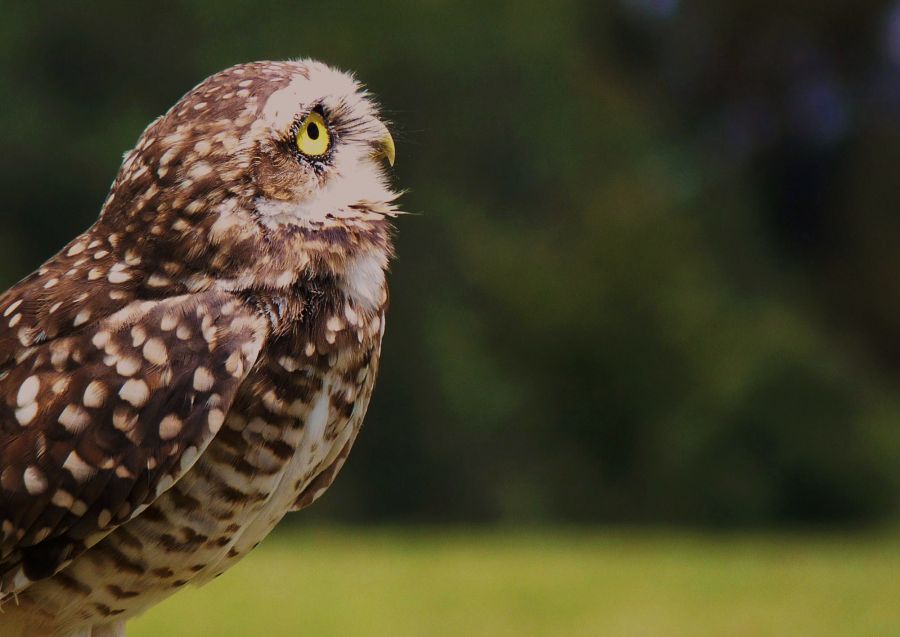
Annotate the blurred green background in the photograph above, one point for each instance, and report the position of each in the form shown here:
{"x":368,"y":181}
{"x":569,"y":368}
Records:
{"x":652,"y":279}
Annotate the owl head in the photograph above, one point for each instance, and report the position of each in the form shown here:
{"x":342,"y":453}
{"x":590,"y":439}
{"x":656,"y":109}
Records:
{"x":261,"y":169}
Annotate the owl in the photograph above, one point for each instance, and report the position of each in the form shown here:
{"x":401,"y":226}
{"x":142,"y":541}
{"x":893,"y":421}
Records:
{"x":197,"y":363}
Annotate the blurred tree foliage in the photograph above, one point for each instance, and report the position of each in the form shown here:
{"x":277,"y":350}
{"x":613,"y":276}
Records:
{"x":653,"y":272}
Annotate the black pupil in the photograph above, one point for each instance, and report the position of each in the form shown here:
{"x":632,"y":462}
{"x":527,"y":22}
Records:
{"x":312,"y":131}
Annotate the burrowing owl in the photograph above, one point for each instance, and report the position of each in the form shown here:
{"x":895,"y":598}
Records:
{"x":198,"y":362}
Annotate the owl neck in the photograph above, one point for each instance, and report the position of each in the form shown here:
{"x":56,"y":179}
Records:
{"x":175,"y":252}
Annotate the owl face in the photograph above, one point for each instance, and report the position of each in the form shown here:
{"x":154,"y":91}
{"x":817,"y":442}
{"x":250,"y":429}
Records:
{"x":281,"y":159}
{"x":321,"y":150}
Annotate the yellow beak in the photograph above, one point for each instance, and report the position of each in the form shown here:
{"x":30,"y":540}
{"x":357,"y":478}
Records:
{"x":384,"y":148}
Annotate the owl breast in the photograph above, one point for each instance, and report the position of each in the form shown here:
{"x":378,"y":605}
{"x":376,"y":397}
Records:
{"x":285,"y":438}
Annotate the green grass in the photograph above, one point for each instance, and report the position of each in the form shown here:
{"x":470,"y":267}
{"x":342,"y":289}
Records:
{"x":368,"y":583}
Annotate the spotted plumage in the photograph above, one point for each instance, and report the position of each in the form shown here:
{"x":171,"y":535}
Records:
{"x":198,"y":362}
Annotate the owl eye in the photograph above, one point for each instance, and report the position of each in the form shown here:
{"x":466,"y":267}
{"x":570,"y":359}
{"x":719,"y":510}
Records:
{"x":313,"y":138}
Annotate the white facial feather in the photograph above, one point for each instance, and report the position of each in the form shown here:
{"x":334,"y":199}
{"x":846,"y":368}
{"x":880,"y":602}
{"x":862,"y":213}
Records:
{"x":324,"y":83}
{"x":359,"y":181}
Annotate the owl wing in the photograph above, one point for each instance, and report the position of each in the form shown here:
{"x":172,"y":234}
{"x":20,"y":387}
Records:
{"x":97,"y":423}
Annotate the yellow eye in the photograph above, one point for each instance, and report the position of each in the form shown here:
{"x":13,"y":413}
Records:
{"x":313,"y":139}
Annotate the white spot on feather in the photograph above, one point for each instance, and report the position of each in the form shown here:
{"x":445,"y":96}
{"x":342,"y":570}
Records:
{"x":135,"y":392}
{"x":28,"y":391}
{"x":203,"y":379}
{"x":26,"y":415}
{"x":169,"y":427}
{"x":74,"y":418}
{"x":35,"y":482}
{"x":94,"y":394}
{"x":79,"y":469}
{"x":215,"y":420}
{"x":155,"y":351}
{"x":128,"y":366}
{"x":118,"y":275}
{"x":12,"y":308}
{"x":81,"y":318}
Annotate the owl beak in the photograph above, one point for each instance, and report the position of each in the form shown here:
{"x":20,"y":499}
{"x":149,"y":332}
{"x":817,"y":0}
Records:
{"x":384,"y":148}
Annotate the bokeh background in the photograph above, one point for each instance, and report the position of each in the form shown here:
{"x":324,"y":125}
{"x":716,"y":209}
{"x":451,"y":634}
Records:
{"x":651,"y":288}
